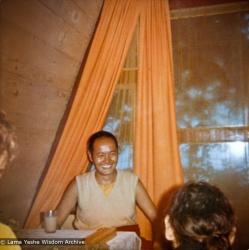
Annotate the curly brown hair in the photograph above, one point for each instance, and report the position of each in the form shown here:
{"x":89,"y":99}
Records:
{"x":8,"y":143}
{"x":202,"y":217}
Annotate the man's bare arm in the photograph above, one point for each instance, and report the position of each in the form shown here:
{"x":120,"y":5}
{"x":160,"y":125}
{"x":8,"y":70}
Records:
{"x":67,"y":203}
{"x":145,"y":203}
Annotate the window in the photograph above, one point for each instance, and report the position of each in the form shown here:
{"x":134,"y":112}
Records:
{"x":212,"y":84}
{"x":121,"y":117}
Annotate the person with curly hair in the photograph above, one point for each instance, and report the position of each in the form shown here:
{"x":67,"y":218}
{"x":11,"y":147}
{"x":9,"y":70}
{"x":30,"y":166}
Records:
{"x":7,"y":153}
{"x":200,"y":217}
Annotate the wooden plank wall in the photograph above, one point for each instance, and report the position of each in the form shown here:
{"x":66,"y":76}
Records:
{"x":42,"y":45}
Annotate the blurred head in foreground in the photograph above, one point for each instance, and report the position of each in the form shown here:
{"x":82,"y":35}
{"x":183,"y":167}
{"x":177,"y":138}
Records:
{"x":7,"y":143}
{"x":200,"y":218}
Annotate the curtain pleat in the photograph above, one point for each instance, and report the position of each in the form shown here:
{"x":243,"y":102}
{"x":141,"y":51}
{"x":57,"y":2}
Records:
{"x":94,"y":94}
{"x":156,"y":150}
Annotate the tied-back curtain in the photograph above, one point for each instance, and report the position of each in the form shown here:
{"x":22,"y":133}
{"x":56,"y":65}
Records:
{"x":156,"y":149}
{"x":94,"y":94}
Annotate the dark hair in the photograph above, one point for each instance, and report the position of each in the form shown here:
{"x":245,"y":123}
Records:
{"x":7,"y":138}
{"x":202,"y":217}
{"x":98,"y":135}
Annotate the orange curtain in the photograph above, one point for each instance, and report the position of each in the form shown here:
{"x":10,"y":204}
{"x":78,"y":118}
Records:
{"x":156,"y":149}
{"x":91,"y":103}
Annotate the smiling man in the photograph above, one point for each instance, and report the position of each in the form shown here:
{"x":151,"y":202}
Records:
{"x":105,"y":197}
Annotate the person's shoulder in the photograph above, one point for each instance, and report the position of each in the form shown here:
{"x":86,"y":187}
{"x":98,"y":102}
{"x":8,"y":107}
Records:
{"x":85,"y":176}
{"x":127,"y":174}
{"x":6,"y":231}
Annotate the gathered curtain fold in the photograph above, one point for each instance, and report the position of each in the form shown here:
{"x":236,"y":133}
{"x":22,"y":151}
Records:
{"x":156,"y":157}
{"x":90,"y":105}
